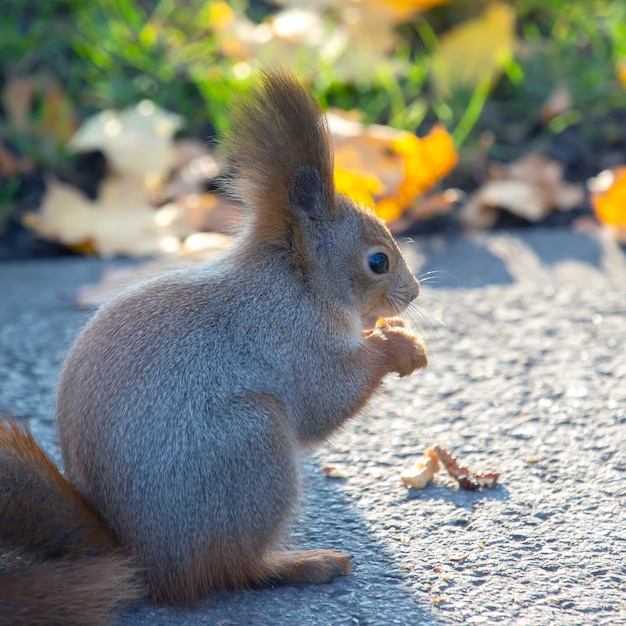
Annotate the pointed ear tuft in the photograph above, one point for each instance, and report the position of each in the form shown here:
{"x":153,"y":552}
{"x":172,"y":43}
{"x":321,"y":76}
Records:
{"x":307,"y":193}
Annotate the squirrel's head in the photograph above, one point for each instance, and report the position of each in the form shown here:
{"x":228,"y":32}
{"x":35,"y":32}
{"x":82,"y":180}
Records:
{"x":366,"y":264}
{"x":281,"y":160}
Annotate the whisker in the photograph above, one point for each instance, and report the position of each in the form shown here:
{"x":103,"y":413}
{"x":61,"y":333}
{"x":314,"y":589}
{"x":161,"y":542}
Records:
{"x":436,"y":276}
{"x":432,"y":296}
{"x":428,"y":309}
{"x":424,"y":318}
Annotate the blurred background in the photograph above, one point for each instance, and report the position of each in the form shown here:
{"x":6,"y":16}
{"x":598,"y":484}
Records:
{"x":446,"y":116}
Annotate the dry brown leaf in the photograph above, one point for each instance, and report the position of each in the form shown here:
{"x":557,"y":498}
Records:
{"x":547,"y":175}
{"x":517,"y":197}
{"x":40,"y":110}
{"x":470,"y":481}
{"x":120,"y":221}
{"x":58,"y":119}
{"x":531,"y":188}
{"x":332,"y":471}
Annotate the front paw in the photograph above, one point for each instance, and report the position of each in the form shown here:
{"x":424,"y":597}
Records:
{"x":404,"y":348}
{"x":394,"y":322}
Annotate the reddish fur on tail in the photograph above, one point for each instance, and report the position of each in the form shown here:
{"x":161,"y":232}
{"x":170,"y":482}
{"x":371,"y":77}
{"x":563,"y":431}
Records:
{"x":72,"y":592}
{"x":60,"y":563}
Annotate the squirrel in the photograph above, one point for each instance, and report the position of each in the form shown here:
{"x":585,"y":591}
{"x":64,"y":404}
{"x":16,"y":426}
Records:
{"x":185,"y":402}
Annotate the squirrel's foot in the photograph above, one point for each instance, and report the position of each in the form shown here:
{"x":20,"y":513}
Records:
{"x":306,"y":566}
{"x":393,"y":322}
{"x":404,"y":348}
{"x":386,"y":322}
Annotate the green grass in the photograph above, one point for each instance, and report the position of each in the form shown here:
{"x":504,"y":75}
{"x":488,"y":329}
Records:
{"x":113,"y":53}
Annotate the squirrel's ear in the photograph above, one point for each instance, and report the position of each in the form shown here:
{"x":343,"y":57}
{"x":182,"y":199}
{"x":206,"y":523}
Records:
{"x":307,"y":194}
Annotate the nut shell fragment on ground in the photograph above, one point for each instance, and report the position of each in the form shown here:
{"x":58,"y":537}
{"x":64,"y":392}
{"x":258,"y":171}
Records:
{"x":424,"y":470}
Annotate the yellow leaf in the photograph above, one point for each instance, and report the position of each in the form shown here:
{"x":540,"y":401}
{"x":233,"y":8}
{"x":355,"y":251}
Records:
{"x":407,"y":7}
{"x":359,"y":187}
{"x":389,"y":209}
{"x":425,"y":160}
{"x":475,"y":48}
{"x":221,"y":14}
{"x":386,"y":168}
{"x":610,"y":206}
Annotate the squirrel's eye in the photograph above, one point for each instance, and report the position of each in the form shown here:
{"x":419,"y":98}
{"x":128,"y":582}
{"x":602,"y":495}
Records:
{"x":379,"y":263}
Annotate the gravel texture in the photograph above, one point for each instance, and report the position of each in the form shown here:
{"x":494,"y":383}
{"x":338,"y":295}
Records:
{"x":526,"y":334}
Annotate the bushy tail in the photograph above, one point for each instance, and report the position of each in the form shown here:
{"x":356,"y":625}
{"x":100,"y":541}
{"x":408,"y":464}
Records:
{"x":73,"y":592}
{"x":59,"y":563}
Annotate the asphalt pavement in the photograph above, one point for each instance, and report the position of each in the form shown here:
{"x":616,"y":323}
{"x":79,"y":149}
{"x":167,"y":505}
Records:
{"x":526,"y":332}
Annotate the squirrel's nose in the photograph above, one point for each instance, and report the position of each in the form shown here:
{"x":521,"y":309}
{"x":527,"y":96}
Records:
{"x":416,"y":290}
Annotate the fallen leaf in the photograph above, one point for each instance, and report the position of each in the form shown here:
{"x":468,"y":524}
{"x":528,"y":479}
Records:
{"x":476,"y":48}
{"x":426,"y":160}
{"x":386,"y":167}
{"x":418,"y":476}
{"x":120,"y":221}
{"x":406,"y":8}
{"x":530,"y":188}
{"x":470,"y":481}
{"x":608,"y":197}
{"x":365,"y":149}
{"x":547,"y":175}
{"x":360,"y":187}
{"x":517,"y":197}
{"x":332,"y":471}
{"x":137,"y":140}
